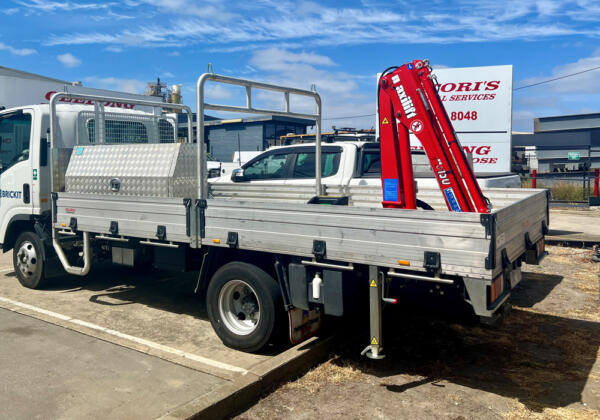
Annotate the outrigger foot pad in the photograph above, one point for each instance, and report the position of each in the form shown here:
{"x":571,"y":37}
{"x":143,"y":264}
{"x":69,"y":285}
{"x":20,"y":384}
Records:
{"x":373,"y":352}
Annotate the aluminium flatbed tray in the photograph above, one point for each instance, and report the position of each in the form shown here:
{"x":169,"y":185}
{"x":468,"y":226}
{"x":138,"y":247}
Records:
{"x":136,"y":217}
{"x":470,"y":244}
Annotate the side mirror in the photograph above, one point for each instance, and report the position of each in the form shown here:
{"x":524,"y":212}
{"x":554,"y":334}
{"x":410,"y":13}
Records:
{"x":237,"y":175}
{"x":43,"y":152}
{"x":214,"y":173}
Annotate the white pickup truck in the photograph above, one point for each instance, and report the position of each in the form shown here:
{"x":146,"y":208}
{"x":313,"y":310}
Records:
{"x":345,"y":163}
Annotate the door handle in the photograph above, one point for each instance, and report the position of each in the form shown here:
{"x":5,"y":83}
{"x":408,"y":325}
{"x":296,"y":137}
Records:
{"x":26,"y":194}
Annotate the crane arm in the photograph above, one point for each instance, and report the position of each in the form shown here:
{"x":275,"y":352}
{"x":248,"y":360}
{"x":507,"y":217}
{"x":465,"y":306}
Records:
{"x":408,"y":101}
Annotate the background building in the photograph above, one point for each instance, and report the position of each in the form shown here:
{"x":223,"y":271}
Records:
{"x":559,"y":144}
{"x":225,"y":137}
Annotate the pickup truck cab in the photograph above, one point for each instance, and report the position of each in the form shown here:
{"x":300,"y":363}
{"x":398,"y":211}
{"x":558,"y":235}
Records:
{"x":343,"y":163}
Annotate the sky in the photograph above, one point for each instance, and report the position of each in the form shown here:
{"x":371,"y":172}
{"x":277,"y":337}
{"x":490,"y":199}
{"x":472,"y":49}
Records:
{"x":339,"y":46}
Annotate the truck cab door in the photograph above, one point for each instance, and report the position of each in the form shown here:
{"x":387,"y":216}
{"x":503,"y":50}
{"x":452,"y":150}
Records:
{"x":15,"y":166}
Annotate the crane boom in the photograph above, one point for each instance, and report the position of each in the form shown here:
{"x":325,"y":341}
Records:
{"x":408,"y":101}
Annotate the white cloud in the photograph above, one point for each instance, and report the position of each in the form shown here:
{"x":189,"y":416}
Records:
{"x":10,"y":11}
{"x":168,"y":74}
{"x":585,"y":83}
{"x":339,"y":90}
{"x":219,"y":92}
{"x":310,"y":24}
{"x":68,"y":60}
{"x":276,"y":59}
{"x":566,"y":95}
{"x":114,"y":83}
{"x":110,"y":16}
{"x":206,"y":9}
{"x":50,"y":6}
{"x":301,"y":70}
{"x":17,"y":51}
{"x":523,"y":120}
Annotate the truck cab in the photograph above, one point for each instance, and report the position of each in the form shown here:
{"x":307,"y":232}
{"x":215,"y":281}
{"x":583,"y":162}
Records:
{"x":25,"y":168}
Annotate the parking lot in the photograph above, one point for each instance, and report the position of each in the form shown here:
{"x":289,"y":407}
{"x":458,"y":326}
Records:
{"x":119,"y":343}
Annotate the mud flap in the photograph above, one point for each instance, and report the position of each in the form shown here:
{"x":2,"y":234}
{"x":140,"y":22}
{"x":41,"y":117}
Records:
{"x":303,"y":324}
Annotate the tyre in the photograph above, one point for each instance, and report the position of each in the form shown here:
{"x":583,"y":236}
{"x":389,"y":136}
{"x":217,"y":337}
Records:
{"x":244,"y":306}
{"x":28,"y":260}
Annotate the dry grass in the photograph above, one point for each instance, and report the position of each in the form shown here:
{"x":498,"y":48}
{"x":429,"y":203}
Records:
{"x":565,"y":191}
{"x":538,"y":350}
{"x":331,"y":372}
{"x":561,"y":413}
{"x":586,"y":281}
{"x":561,"y":191}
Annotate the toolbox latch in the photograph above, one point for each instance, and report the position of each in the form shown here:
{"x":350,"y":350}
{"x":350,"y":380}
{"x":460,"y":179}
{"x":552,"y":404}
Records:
{"x":115,"y":184}
{"x":161,"y":232}
{"x":73,"y":224}
{"x":319,"y":249}
{"x":232,"y":239}
{"x":432,"y":261}
{"x":114,"y":227}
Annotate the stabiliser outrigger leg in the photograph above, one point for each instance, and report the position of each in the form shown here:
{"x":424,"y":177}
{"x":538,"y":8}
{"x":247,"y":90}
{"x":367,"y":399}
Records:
{"x":375,"y":348}
{"x":376,"y":298}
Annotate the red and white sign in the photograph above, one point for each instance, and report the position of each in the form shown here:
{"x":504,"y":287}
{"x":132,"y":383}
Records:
{"x":478,"y":101}
{"x":416,"y":126}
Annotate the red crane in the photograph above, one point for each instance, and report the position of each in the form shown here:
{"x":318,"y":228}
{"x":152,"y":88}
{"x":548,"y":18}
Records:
{"x":408,"y":100}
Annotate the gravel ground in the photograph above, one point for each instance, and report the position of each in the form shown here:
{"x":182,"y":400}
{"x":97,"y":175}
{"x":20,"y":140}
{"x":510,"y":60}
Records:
{"x":541,"y":363}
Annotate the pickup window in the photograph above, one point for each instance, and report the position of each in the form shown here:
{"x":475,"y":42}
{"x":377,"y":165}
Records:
{"x":15,"y":131}
{"x":292,"y":163}
{"x":272,"y":166}
{"x":371,"y":163}
{"x":305,"y":164}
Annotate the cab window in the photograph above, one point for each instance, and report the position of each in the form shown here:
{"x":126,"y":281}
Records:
{"x":15,"y":132}
{"x":305,"y":164}
{"x":272,"y":166}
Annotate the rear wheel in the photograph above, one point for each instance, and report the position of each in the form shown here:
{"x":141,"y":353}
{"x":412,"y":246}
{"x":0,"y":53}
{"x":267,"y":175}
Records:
{"x":244,"y":306}
{"x":28,"y":260}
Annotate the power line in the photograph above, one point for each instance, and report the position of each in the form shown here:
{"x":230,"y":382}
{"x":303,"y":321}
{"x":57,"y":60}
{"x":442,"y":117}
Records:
{"x":519,"y":88}
{"x":351,"y":116}
{"x":557,"y":78}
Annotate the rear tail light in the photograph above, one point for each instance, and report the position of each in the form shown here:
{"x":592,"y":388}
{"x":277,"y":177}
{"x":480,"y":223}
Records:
{"x":541,"y":247}
{"x":496,"y":288}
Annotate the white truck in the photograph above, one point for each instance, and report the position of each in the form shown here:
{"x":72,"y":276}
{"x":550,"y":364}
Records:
{"x":81,"y":183}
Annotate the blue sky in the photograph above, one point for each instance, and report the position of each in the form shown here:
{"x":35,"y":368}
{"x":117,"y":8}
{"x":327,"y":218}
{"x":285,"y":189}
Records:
{"x":337,"y":45}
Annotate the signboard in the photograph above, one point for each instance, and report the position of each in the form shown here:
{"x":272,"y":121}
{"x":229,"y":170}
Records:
{"x":574,"y":155}
{"x":478,"y":101}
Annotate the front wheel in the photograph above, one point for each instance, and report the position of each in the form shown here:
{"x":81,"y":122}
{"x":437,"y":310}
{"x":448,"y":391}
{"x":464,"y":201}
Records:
{"x":28,"y":260}
{"x":244,"y":306}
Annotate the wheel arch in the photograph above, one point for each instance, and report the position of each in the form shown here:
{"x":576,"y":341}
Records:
{"x":17,"y":224}
{"x":216,"y":257}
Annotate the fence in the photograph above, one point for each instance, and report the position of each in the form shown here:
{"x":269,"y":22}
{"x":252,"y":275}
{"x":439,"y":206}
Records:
{"x":565,"y":187}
